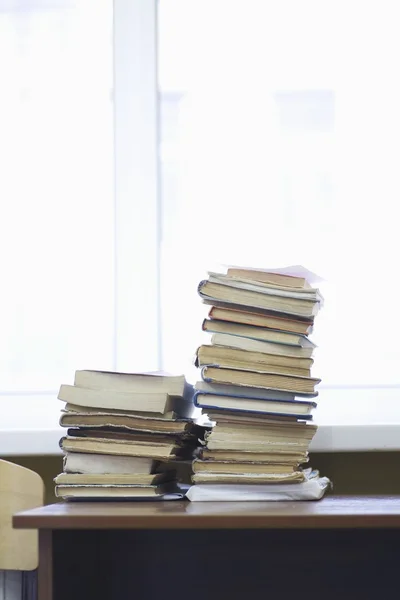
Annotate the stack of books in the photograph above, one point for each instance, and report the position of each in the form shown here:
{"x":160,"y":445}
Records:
{"x":125,"y":433}
{"x":256,"y":383}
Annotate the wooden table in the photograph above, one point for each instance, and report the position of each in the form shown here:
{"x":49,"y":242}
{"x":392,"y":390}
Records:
{"x":339,"y":547}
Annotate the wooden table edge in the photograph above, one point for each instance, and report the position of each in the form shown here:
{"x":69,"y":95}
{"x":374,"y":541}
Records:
{"x":367,"y":521}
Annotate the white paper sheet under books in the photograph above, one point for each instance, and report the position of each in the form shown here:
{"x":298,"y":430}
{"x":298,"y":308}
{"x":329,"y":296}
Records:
{"x":312,"y":489}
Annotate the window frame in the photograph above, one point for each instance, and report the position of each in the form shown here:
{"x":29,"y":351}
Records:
{"x":137,"y":176}
{"x":137,"y":321}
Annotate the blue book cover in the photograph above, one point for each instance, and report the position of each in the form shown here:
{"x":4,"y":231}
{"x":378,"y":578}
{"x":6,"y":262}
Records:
{"x":209,"y":401}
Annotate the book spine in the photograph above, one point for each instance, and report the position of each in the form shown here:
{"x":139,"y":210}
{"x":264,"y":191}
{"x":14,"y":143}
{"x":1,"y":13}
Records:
{"x":200,"y":287}
{"x":244,"y":397}
{"x":257,"y":412}
{"x":203,"y":375}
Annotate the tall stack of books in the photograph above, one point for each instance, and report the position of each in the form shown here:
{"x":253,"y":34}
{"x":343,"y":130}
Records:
{"x":125,"y":434}
{"x":256,"y":382}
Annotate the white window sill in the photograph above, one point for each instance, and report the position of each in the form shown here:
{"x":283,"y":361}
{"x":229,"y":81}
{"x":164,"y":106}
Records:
{"x":329,"y":438}
{"x":30,"y":442}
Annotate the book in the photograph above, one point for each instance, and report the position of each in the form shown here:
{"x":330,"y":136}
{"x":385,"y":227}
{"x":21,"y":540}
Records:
{"x":113,"y":478}
{"x":273,"y":429}
{"x":273,"y":432}
{"x":140,"y":383}
{"x":129,"y":422}
{"x":219,"y":292}
{"x":258,"y":333}
{"x":265,"y":276}
{"x":237,"y":390}
{"x":234,"y":358}
{"x":252,"y":345}
{"x":256,"y":445}
{"x":293,"y":408}
{"x":220,"y":438}
{"x":158,"y":403}
{"x":121,"y":447}
{"x":254,"y":478}
{"x":213,"y":466}
{"x":294,"y":456}
{"x":243,"y":417}
{"x":261,"y":379}
{"x":67,"y":492}
{"x":233,"y":417}
{"x":258,"y":320}
{"x":135,"y":436}
{"x":96,"y":464}
{"x":265,"y":288}
{"x":112,"y":411}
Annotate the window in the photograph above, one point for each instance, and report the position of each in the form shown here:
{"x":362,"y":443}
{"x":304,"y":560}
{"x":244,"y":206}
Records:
{"x":280,"y":148}
{"x":279,"y":127}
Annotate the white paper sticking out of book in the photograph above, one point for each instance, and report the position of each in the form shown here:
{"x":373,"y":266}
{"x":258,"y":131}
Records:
{"x":312,"y":489}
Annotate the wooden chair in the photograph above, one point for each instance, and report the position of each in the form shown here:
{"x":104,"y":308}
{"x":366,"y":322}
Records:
{"x":20,"y":489}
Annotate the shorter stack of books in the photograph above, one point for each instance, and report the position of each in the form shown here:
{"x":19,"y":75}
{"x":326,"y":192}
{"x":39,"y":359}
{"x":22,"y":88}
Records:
{"x":125,"y":433}
{"x":256,"y":379}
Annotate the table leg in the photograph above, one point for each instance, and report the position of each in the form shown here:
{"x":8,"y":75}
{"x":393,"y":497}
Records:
{"x":45,"y":575}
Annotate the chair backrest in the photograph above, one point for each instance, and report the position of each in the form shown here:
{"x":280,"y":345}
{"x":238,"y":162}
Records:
{"x":20,"y":489}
